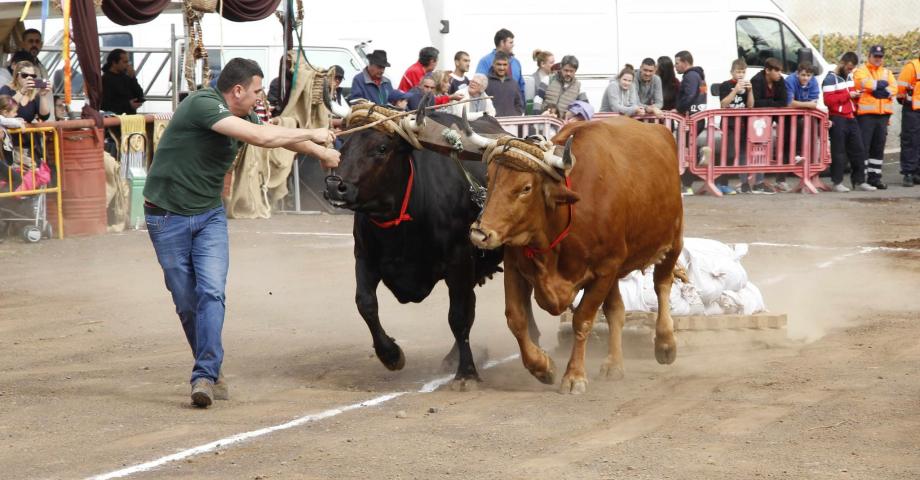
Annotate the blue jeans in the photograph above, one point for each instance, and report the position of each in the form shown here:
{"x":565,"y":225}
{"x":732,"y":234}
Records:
{"x":194,"y":253}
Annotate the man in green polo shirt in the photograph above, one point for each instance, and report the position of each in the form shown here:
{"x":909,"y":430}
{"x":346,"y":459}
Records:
{"x":185,"y":219}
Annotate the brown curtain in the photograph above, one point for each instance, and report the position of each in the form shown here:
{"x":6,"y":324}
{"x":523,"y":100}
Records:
{"x":86,"y":38}
{"x":249,"y":10}
{"x":132,"y":12}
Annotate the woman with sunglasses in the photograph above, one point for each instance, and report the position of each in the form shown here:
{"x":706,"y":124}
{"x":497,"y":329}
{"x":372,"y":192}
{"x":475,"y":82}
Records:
{"x":32,"y":103}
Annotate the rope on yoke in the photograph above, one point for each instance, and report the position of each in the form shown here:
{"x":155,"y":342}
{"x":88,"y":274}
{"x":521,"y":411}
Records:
{"x":521,"y":154}
{"x":391,"y":121}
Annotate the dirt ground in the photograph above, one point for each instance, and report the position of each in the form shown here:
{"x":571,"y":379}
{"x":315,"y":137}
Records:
{"x":94,"y":367}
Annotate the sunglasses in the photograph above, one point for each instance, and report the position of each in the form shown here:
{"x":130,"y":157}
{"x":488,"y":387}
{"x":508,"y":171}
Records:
{"x":28,"y":75}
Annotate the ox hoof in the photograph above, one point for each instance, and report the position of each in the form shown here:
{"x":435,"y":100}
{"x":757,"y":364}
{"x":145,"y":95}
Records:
{"x":465,"y":384}
{"x":547,"y":376}
{"x":665,"y":350}
{"x":611,"y":371}
{"x":394,"y":359}
{"x":574,"y":385}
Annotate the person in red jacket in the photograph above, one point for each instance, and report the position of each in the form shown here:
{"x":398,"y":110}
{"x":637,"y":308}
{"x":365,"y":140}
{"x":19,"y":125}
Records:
{"x":846,"y":140}
{"x":427,"y":62}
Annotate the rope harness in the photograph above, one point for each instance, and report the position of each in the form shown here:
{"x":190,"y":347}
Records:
{"x":194,"y":46}
{"x":364,"y":113}
{"x":516,"y":153}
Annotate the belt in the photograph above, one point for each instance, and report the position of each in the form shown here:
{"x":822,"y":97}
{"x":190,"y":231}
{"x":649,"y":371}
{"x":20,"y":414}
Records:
{"x":151,"y":209}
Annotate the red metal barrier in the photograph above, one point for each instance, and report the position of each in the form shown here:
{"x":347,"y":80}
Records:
{"x":548,"y":126}
{"x":775,"y":140}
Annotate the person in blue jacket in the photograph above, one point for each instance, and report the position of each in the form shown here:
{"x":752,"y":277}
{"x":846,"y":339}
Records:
{"x":504,"y":42}
{"x":370,"y":84}
{"x":802,"y":91}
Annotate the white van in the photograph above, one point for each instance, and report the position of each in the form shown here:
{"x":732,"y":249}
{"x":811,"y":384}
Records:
{"x":606,"y":34}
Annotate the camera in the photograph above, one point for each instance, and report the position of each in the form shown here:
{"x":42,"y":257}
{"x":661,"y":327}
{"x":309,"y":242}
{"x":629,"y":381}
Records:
{"x":40,"y":83}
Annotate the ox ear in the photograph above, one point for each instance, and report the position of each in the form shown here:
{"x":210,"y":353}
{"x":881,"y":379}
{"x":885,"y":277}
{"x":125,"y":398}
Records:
{"x":557,"y":193}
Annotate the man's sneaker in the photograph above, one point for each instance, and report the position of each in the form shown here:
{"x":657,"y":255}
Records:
{"x":745,"y":188}
{"x":726,"y":190}
{"x":221,"y":389}
{"x":781,"y":187}
{"x":865,"y":187}
{"x":688,"y":192}
{"x":799,"y":159}
{"x":763,"y":189}
{"x":878,"y":184}
{"x":840,"y":188}
{"x":202,"y":393}
{"x":705,"y":152}
{"x":909,"y":181}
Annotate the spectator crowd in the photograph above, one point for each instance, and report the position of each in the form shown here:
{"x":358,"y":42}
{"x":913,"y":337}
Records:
{"x":859,"y":99}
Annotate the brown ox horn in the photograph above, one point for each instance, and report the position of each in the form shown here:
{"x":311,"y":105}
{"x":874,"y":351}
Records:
{"x":567,"y":161}
{"x":327,"y":100}
{"x":465,"y":122}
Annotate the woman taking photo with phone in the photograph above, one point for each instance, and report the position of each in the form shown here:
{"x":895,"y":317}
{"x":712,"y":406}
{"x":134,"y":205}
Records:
{"x":31,"y":94}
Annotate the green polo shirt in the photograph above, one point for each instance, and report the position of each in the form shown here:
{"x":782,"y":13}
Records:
{"x":187,"y":174}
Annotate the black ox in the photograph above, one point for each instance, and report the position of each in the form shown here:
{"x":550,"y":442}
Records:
{"x":413,"y":248}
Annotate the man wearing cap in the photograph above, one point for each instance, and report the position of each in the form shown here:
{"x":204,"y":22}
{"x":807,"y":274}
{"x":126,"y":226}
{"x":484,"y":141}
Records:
{"x":877,"y":88}
{"x":340,"y":106}
{"x":909,"y":96}
{"x":370,"y":84}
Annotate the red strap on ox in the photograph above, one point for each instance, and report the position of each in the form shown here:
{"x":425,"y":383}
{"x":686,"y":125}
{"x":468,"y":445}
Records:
{"x":403,"y":216}
{"x":531,"y":252}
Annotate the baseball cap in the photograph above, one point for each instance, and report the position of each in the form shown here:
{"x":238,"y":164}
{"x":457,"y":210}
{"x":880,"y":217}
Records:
{"x":876,"y":51}
{"x":396,"y":95}
{"x":339,"y":72}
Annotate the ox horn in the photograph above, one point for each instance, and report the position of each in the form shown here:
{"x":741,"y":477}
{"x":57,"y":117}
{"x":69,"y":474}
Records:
{"x":417,"y":121}
{"x":465,"y":122}
{"x":566,"y":162}
{"x":473,"y":137}
{"x":327,"y":99}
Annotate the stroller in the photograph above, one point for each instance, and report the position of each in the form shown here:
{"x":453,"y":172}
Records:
{"x":23,"y":171}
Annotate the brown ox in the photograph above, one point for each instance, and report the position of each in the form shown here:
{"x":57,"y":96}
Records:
{"x":628,"y":214}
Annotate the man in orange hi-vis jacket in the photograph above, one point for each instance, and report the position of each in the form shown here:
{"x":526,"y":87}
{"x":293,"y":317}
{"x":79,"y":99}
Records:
{"x":877,"y":89}
{"x":909,"y":95}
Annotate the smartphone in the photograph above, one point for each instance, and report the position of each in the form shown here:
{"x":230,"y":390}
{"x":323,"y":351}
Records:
{"x":40,"y":83}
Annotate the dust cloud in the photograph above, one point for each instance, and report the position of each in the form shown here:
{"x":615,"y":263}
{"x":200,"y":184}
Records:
{"x":829,"y":282}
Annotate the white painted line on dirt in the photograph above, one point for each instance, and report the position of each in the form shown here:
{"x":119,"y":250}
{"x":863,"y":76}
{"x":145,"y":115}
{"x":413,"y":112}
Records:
{"x":241,"y":437}
{"x":816,"y":247}
{"x":826,"y":264}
